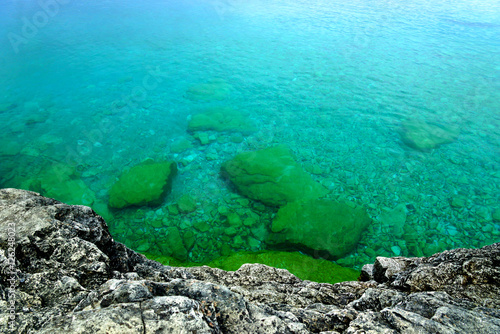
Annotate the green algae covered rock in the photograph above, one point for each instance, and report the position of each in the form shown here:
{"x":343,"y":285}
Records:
{"x":50,"y":178}
{"x":319,"y":226}
{"x":271,"y":176}
{"x":60,"y":181}
{"x":180,"y":145}
{"x":186,"y":204}
{"x":144,"y":184}
{"x":496,"y":214}
{"x":302,"y":266}
{"x":425,"y":136}
{"x":70,"y":191}
{"x":175,"y":244}
{"x":220,"y":119}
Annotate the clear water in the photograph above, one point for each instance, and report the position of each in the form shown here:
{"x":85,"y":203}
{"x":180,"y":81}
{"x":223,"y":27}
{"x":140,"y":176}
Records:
{"x":101,"y":85}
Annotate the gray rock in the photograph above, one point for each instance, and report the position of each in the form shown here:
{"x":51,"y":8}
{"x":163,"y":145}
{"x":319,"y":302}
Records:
{"x":384,"y":268}
{"x":367,"y":272}
{"x":376,"y":299}
{"x":72,"y":277}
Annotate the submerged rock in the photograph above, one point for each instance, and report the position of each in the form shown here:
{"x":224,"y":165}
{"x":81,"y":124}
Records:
{"x":302,"y":266}
{"x":395,"y":219}
{"x":271,"y":176}
{"x":220,"y":119}
{"x":186,"y":204}
{"x":425,"y":136}
{"x":496,"y":214}
{"x":212,"y":90}
{"x":72,"y":277}
{"x":60,"y":181}
{"x":319,"y":226}
{"x":34,"y":113}
{"x":180,"y":145}
{"x":174,"y":243}
{"x":143,"y":184}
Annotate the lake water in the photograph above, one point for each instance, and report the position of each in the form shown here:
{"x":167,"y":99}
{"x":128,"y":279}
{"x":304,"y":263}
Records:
{"x":392,"y":105}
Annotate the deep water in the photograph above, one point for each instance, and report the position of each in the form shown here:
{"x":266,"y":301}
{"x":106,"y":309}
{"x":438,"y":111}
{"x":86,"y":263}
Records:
{"x":392,"y":105}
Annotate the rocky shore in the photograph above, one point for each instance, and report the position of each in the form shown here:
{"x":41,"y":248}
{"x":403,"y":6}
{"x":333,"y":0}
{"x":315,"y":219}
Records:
{"x":72,"y":277}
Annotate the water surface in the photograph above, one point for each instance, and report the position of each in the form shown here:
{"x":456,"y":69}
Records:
{"x":99,"y":86}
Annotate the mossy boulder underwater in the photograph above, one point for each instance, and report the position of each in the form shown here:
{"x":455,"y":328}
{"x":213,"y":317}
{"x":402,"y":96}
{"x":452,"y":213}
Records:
{"x":60,"y":181}
{"x":326,"y":227}
{"x":144,"y":184}
{"x":221,"y":119}
{"x":301,"y":265}
{"x":271,"y":176}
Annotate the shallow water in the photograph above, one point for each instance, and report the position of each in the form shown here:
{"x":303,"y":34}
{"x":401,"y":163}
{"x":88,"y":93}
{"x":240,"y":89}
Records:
{"x":99,"y":86}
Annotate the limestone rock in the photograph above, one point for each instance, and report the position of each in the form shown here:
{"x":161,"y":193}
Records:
{"x":72,"y":277}
{"x":144,"y":184}
{"x":320,"y":225}
{"x":271,"y":176}
{"x":384,"y":268}
{"x":424,"y":136}
{"x":367,"y":272}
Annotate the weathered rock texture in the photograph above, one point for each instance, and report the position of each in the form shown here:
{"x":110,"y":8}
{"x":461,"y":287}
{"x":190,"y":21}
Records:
{"x":72,"y":277}
{"x":271,"y":176}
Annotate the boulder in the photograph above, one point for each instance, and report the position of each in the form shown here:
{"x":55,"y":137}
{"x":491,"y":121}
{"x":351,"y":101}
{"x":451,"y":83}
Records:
{"x":424,"y":136}
{"x":175,"y":244}
{"x":301,"y":265}
{"x":144,"y":184}
{"x":271,"y":176}
{"x":394,"y":219}
{"x":221,"y":119}
{"x":186,"y":204}
{"x":180,"y":145}
{"x":319,"y":226}
{"x":60,"y":181}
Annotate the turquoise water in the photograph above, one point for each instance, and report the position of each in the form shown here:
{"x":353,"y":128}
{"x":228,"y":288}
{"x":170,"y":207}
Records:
{"x":95,"y":87}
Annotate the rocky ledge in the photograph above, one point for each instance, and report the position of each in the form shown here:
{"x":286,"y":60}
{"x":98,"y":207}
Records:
{"x":72,"y":277}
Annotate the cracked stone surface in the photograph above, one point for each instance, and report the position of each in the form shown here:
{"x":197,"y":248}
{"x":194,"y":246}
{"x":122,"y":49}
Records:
{"x":72,"y":277}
